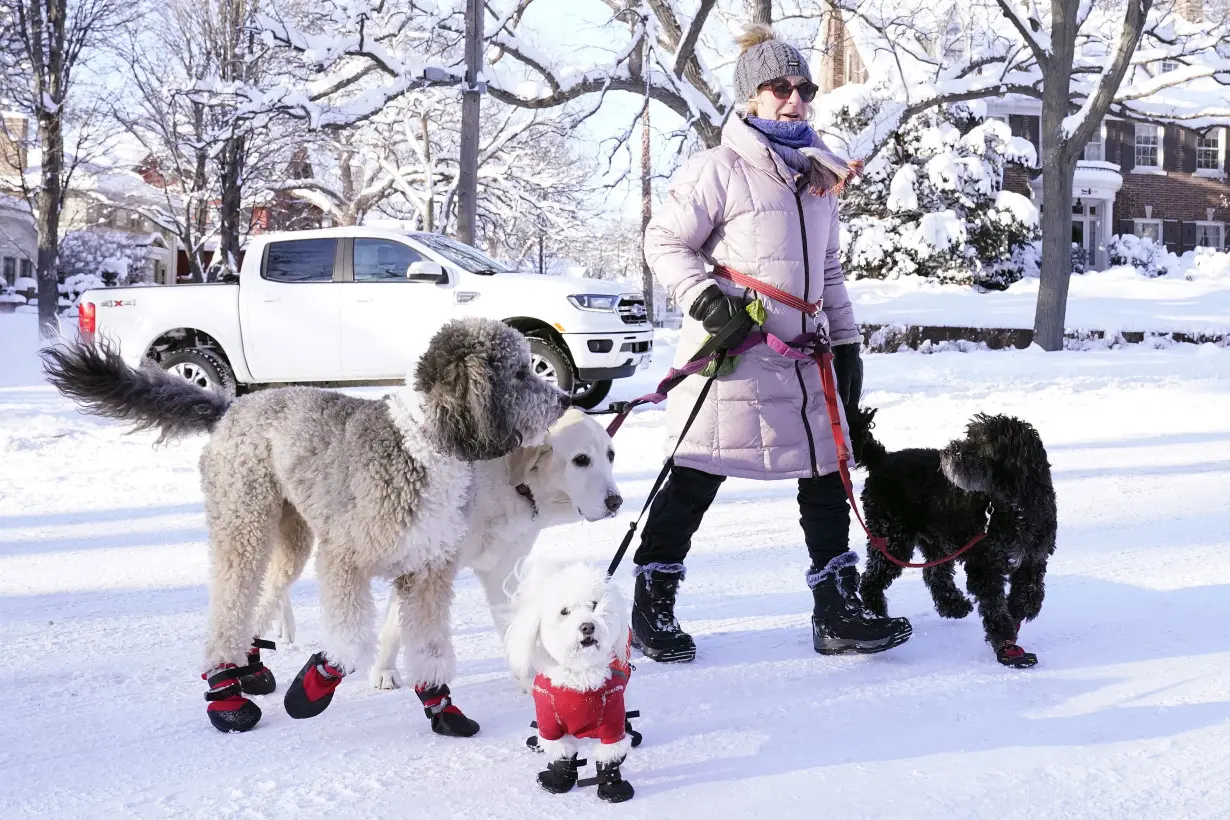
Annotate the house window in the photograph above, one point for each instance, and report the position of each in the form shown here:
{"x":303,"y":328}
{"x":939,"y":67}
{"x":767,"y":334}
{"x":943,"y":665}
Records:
{"x":1210,"y":234}
{"x":1148,"y":229}
{"x":27,"y":268}
{"x":10,"y":270}
{"x":1169,"y":65}
{"x":851,"y":64}
{"x":1148,"y":146}
{"x":1211,"y":151}
{"x":1095,"y":149}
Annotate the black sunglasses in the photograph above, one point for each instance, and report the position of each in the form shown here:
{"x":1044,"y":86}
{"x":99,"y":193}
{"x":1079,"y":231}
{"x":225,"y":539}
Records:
{"x":782,"y":89}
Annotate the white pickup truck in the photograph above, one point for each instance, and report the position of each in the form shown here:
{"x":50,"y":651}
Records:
{"x":356,"y":305}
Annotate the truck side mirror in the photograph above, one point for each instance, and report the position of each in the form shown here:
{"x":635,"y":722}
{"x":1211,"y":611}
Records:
{"x":424,"y":271}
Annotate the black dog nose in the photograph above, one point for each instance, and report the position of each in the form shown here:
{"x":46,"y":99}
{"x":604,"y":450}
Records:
{"x":565,"y":401}
{"x":614,"y":502}
{"x":587,"y":629}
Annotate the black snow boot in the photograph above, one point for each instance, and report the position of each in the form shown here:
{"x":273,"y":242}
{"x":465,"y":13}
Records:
{"x":259,"y":680}
{"x":446,"y":719}
{"x":561,"y":775}
{"x":655,"y":631}
{"x":611,"y":786}
{"x":840,"y":622}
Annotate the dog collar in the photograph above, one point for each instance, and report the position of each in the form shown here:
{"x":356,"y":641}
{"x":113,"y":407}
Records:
{"x":524,"y":490}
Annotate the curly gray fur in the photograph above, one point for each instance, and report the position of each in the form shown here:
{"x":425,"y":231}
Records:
{"x":479,"y":394}
{"x":98,"y":379}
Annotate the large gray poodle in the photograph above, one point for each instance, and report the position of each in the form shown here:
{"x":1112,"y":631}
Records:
{"x":381,"y":485}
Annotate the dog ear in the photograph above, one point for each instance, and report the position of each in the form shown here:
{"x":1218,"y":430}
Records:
{"x":523,"y":460}
{"x":455,"y":376}
{"x":521,"y":639}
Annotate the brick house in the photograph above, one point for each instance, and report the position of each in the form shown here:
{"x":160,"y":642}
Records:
{"x":1165,"y":182}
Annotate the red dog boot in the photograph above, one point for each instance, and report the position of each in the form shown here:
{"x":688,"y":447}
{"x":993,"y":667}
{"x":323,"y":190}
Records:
{"x":446,"y":719}
{"x":1012,"y":655}
{"x":260,"y":680}
{"x":229,"y":710}
{"x":312,"y":690}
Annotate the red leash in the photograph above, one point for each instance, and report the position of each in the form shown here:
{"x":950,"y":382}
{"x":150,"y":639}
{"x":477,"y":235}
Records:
{"x":823,"y":360}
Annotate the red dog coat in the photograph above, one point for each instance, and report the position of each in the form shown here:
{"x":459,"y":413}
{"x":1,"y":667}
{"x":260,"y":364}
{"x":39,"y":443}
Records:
{"x":593,"y":713}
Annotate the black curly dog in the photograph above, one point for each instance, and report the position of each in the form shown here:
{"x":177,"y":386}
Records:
{"x":937,"y":500}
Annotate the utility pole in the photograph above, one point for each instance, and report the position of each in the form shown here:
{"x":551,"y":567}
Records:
{"x":471,"y":95}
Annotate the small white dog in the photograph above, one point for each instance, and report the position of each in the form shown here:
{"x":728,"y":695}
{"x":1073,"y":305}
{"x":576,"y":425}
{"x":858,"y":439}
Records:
{"x":570,"y":630}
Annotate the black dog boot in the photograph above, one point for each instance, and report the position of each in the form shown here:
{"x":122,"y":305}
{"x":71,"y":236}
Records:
{"x":611,"y":786}
{"x":228,"y":709}
{"x":260,"y":680}
{"x":1009,"y":654}
{"x":312,"y":690}
{"x":655,"y":631}
{"x":840,"y":622}
{"x":446,"y":719}
{"x":561,"y":775}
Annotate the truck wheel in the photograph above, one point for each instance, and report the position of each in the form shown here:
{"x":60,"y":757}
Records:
{"x":551,"y":364}
{"x":201,"y":367}
{"x":588,"y":395}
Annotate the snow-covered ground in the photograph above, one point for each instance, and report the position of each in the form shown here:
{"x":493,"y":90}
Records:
{"x":1118,"y":299}
{"x":102,"y":606}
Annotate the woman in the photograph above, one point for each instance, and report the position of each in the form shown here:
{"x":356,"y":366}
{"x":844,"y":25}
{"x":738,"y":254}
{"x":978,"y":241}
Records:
{"x":763,"y":203}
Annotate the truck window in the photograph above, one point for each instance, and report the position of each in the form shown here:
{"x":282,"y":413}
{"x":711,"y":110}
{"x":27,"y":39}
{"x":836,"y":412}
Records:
{"x":380,"y":260}
{"x":300,"y":260}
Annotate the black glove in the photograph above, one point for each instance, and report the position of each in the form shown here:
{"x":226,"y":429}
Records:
{"x":849,"y":368}
{"x":715,"y":311}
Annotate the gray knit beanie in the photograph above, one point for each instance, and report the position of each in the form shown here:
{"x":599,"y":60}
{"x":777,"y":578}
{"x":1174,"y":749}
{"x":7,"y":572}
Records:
{"x":764,"y":58}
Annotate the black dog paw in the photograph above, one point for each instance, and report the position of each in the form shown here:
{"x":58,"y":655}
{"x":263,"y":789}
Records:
{"x":954,"y":607}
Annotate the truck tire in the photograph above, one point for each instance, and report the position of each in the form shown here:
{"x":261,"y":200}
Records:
{"x":588,"y":395}
{"x":202,"y":367}
{"x":551,"y":364}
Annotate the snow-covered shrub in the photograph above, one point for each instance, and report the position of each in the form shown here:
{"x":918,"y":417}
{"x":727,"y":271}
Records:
{"x":1140,"y":252}
{"x":112,"y":256}
{"x":1205,"y":263}
{"x":73,"y":286}
{"x":931,"y":203}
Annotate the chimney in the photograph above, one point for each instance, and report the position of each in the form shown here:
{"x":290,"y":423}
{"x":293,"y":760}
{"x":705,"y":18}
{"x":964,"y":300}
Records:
{"x":14,"y":140}
{"x":1190,"y":10}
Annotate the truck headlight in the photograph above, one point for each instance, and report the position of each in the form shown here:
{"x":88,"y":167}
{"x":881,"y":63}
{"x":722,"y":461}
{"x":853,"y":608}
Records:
{"x":603,"y":302}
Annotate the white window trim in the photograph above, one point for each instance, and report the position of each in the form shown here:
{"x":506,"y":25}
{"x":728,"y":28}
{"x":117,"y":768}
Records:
{"x":1160,"y":168}
{"x":1221,"y":225}
{"x":1137,"y":223}
{"x":1218,"y":172}
{"x":1101,"y":132}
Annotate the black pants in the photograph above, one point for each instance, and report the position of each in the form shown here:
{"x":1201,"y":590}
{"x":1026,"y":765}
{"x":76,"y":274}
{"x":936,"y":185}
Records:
{"x":685,"y":497}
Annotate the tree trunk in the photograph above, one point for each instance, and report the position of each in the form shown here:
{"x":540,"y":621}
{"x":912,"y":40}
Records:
{"x":429,"y":216}
{"x":467,"y":210}
{"x":646,"y":209}
{"x":761,"y":11}
{"x":47,"y":225}
{"x":231,"y":209}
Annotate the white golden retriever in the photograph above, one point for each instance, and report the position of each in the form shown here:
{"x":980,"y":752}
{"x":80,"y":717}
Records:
{"x":570,"y":631}
{"x":565,"y":479}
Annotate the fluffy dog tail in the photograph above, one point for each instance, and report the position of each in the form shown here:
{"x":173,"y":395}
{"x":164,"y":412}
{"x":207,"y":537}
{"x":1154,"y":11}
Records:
{"x":867,"y":451}
{"x":149,"y":398}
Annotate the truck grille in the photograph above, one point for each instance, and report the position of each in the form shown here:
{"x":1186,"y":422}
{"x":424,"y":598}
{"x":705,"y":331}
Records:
{"x":632,"y":310}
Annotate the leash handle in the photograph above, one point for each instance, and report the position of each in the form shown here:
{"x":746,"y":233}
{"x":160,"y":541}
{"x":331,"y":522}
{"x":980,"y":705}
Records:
{"x":765,"y":289}
{"x":666,"y":468}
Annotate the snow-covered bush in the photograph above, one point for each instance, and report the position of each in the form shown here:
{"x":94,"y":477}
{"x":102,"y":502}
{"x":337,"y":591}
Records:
{"x":1149,"y":257}
{"x":73,"y":286}
{"x":1205,"y":263}
{"x":932,"y":202}
{"x":112,"y":256}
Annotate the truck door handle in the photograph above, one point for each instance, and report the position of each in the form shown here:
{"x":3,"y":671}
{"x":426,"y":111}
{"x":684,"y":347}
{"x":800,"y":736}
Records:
{"x":365,"y":298}
{"x":272,"y":299}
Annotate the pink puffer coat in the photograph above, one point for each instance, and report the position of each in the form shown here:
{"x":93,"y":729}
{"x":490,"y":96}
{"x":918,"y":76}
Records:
{"x":738,"y":205}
